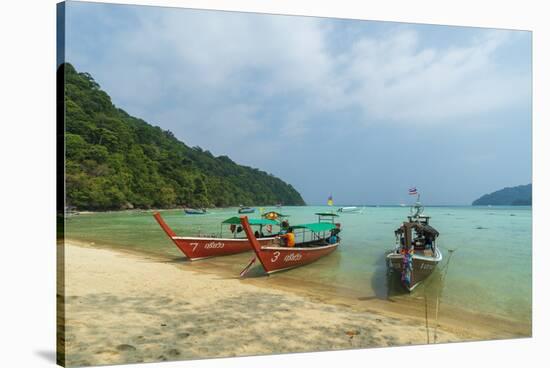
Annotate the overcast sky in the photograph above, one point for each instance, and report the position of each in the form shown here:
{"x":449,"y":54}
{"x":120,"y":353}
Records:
{"x":361,"y":110}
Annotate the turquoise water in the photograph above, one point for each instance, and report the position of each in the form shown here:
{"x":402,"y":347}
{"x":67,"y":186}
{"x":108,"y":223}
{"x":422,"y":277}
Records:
{"x":489,"y":271}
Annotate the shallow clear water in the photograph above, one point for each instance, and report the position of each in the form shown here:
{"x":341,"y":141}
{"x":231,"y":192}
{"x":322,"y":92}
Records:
{"x":489,"y":271}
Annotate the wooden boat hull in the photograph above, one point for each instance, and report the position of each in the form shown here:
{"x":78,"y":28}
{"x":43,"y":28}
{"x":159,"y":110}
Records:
{"x":196,"y":248}
{"x":423,"y":266}
{"x":276,"y":258}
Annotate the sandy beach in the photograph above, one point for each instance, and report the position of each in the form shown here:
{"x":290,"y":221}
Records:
{"x":122,"y":307}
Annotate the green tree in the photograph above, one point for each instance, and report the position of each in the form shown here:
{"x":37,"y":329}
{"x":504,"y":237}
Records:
{"x":115,"y":161}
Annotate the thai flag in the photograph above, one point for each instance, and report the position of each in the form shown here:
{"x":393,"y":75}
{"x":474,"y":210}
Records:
{"x":413,"y":191}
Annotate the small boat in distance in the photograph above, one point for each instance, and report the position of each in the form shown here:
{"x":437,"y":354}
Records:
{"x":71,"y":211}
{"x":247,"y":210}
{"x":350,"y":209}
{"x":416,"y":254}
{"x":322,"y":239}
{"x":194,"y":211}
{"x":205,"y":246}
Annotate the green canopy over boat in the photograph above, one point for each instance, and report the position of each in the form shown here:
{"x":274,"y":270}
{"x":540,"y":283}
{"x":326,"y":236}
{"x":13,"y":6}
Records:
{"x":327,"y":214}
{"x":316,"y":227}
{"x":237,"y":221}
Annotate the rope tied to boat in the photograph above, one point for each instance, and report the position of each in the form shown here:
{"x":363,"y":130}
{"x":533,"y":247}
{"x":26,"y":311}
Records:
{"x":443,"y":277}
{"x":245,"y":270}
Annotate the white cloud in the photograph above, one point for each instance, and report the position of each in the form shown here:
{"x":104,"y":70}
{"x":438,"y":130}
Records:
{"x":225,"y":74}
{"x":402,"y":81}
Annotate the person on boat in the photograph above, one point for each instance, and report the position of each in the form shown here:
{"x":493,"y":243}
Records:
{"x":429,"y":243}
{"x":420,"y":241}
{"x":333,"y":238}
{"x":289,"y":238}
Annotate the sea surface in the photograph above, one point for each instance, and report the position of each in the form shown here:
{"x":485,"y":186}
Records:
{"x":487,"y":251}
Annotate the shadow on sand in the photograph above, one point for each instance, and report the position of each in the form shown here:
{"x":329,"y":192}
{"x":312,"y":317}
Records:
{"x":177,"y":259}
{"x":385,"y":283}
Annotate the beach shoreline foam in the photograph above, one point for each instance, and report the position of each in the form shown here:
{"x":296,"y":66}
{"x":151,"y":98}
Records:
{"x":129,"y":307}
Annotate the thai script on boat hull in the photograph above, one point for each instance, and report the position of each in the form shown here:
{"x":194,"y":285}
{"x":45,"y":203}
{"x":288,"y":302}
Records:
{"x":292,"y":257}
{"x":214,"y":245}
{"x":427,"y":266}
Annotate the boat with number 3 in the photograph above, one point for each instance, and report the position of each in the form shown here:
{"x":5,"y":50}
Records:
{"x":318,"y":239}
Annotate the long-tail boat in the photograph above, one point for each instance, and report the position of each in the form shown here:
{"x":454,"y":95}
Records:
{"x":317,"y":240}
{"x":246,"y":210}
{"x":194,"y":211}
{"x":204,"y":246}
{"x":416,"y":254}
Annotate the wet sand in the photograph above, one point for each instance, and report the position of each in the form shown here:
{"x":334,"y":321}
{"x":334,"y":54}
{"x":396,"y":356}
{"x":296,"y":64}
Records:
{"x":123,"y":307}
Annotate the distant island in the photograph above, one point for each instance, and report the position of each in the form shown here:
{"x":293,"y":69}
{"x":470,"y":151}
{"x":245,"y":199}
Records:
{"x":116,"y":161}
{"x":515,"y":196}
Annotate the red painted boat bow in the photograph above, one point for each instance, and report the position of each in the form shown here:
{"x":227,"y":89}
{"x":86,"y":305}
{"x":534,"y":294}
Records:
{"x":171,"y":234}
{"x":253,"y":241}
{"x":164,"y":225}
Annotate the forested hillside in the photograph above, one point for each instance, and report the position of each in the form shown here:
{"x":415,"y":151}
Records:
{"x":117,"y":161}
{"x":515,"y":196}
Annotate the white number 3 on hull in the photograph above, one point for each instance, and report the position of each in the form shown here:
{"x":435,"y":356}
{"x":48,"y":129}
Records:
{"x":275,"y":256}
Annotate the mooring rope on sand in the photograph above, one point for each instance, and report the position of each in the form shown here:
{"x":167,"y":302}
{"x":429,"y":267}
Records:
{"x":426,"y":317}
{"x":439,"y":296}
{"x":442,"y":278}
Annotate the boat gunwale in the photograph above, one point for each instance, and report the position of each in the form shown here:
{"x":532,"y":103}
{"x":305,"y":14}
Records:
{"x":218,"y":239}
{"x":438,"y":258}
{"x":300,"y":248}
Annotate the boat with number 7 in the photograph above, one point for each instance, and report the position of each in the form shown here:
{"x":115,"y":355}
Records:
{"x":206,"y":246}
{"x":317,"y":240}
